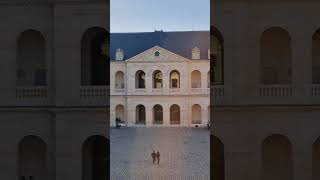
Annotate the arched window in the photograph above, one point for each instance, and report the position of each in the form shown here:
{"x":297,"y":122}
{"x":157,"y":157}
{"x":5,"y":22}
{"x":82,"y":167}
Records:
{"x":195,"y":79}
{"x":216,"y":56}
{"x":119,"y":78}
{"x":157,"y":114}
{"x":120,"y":113}
{"x":95,"y":158}
{"x":94,"y":60}
{"x":175,"y":114}
{"x":140,"y":114}
{"x":157,"y":79}
{"x":33,"y":158}
{"x":195,"y":53}
{"x":196,"y":114}
{"x":277,"y":161}
{"x":316,"y":57}
{"x":174,"y":79}
{"x":275,"y":56}
{"x":119,"y":55}
{"x":31,"y":59}
{"x":140,"y":80}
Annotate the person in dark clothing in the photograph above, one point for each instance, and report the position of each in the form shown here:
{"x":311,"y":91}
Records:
{"x":158,"y":157}
{"x":153,"y":155}
{"x":31,"y":178}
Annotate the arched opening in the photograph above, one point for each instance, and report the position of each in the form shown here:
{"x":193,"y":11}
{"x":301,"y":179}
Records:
{"x":94,"y":58}
{"x":157,"y":114}
{"x":217,"y":161}
{"x":140,"y":114}
{"x":95,"y":158}
{"x":275,"y":56}
{"x":31,"y":59}
{"x":33,"y":158}
{"x":174,"y":79}
{"x":195,"y":79}
{"x":157,"y":79}
{"x":216,"y":56}
{"x":277,"y":161}
{"x":316,"y":160}
{"x":119,"y":84}
{"x":196,"y":114}
{"x":120,"y":112}
{"x":175,"y":114}
{"x":140,"y":79}
{"x":316,"y":57}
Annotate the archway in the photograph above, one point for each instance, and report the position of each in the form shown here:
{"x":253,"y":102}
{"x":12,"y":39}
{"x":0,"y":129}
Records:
{"x":216,"y":56}
{"x":174,"y":79}
{"x":276,"y":56}
{"x":277,"y":161}
{"x":316,"y":57}
{"x":157,"y":79}
{"x":95,"y":158}
{"x":31,"y":59}
{"x":175,"y":114}
{"x":140,"y":80}
{"x":120,"y":113}
{"x":196,"y":114}
{"x":94,"y":59}
{"x":140,"y":114}
{"x":316,"y":160}
{"x":157,"y":114}
{"x":32,"y":158}
{"x":217,"y":161}
{"x":119,"y":80}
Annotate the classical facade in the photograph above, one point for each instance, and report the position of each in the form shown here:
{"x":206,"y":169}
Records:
{"x":160,"y":78}
{"x":265,"y":115}
{"x":54,"y":89}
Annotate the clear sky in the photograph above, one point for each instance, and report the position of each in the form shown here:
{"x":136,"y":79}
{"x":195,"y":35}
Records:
{"x":166,"y":15}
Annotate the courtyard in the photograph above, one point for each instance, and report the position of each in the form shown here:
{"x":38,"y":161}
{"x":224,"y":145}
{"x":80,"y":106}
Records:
{"x":184,"y":153}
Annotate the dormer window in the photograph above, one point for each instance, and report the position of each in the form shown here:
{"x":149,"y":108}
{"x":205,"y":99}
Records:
{"x":119,"y":55}
{"x":195,"y":53}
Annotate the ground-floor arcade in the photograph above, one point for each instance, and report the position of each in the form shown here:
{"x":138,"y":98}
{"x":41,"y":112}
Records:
{"x":52,"y":144}
{"x":279,"y":143}
{"x":160,"y":110}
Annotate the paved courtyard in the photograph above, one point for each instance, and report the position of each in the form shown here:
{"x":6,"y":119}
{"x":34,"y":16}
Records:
{"x":185,"y":153}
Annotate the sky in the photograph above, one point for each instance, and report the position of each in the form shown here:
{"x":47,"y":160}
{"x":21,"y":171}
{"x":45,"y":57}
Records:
{"x":166,"y":15}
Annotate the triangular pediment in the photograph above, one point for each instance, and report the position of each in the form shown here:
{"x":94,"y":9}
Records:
{"x":158,"y":54}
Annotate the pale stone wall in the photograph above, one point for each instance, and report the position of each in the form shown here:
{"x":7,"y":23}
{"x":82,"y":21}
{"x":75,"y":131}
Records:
{"x":185,"y":96}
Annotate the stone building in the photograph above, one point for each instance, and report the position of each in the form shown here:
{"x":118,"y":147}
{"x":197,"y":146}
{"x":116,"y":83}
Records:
{"x":54,"y":89}
{"x":160,"y":78}
{"x":266,"y":110}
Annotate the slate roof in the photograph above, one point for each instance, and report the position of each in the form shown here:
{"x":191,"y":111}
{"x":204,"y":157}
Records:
{"x":179,"y":42}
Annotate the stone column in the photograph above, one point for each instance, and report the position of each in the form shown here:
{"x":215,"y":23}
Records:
{"x":301,"y":65}
{"x":166,"y":115}
{"x":149,"y":116}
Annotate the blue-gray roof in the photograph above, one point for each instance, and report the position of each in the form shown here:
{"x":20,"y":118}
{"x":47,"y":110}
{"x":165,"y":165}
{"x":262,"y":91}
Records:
{"x":180,"y":43}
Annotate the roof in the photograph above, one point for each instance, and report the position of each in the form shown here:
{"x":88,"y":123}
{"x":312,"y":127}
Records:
{"x":179,"y":42}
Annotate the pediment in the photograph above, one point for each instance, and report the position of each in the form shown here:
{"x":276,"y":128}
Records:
{"x":158,"y":54}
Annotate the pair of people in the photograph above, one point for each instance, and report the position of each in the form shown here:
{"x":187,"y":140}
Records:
{"x":155,"y":157}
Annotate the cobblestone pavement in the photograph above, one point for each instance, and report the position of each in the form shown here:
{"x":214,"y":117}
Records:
{"x":185,"y":153}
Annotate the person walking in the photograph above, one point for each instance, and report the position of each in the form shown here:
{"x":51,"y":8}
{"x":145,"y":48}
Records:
{"x":158,"y":157}
{"x":153,"y":155}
